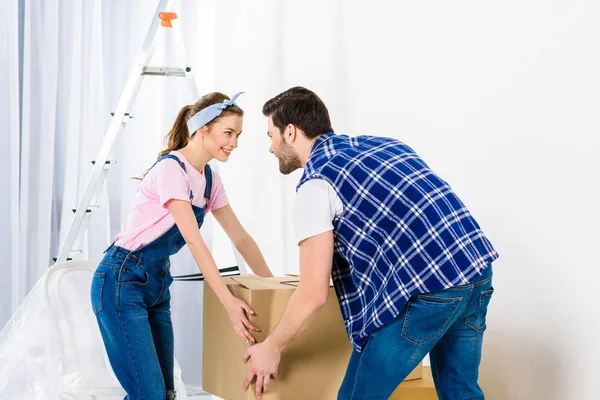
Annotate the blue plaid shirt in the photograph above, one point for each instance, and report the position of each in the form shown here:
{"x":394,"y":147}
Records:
{"x":402,"y":232}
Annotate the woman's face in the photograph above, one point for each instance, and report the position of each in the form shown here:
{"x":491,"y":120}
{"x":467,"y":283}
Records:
{"x":222,"y":136}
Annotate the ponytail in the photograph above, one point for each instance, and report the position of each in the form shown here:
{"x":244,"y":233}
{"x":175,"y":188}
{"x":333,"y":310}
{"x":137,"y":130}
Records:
{"x":178,"y":137}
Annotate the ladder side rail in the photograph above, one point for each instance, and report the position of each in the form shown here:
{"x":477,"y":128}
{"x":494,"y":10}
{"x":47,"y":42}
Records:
{"x":115,"y":128}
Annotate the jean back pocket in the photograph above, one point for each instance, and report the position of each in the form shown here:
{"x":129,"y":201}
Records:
{"x":476,"y":320}
{"x":428,"y":316}
{"x":96,"y":291}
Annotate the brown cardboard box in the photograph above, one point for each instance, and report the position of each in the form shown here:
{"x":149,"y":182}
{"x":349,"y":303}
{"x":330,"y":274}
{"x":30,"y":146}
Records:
{"x":312,"y":366}
{"x":420,"y":389}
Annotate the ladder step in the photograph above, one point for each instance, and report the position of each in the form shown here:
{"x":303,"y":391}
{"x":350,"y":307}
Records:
{"x":56,"y":259}
{"x":87,"y":211}
{"x":124,"y":115}
{"x":166,"y":71}
{"x":107,"y":162}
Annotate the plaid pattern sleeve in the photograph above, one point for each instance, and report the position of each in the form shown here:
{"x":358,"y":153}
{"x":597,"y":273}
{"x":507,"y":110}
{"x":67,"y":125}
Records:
{"x":403,"y":230}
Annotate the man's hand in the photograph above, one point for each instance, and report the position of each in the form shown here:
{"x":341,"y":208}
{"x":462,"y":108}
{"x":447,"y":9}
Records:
{"x":264,"y":361}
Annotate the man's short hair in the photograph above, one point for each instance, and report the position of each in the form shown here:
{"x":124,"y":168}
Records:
{"x":300,"y":107}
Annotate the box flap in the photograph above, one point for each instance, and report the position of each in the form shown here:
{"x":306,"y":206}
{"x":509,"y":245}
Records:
{"x":253,"y":282}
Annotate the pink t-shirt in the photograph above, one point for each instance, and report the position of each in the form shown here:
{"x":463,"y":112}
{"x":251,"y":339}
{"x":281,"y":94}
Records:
{"x":149,"y":216}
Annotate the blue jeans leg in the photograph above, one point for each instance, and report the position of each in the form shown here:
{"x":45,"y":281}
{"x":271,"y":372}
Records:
{"x":159,"y":317}
{"x":347,"y":388}
{"x":456,"y":357}
{"x":448,"y":324}
{"x":124,"y":322}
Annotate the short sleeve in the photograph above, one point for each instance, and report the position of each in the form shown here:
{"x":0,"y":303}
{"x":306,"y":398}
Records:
{"x":218,"y":197}
{"x":315,"y":207}
{"x":171,"y":181}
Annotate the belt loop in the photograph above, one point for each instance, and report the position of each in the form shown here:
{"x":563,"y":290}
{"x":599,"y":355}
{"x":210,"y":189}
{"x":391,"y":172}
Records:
{"x":114,"y":251}
{"x":108,"y":248}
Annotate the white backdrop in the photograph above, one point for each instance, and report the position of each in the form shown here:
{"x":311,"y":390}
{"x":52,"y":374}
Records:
{"x":500,"y":98}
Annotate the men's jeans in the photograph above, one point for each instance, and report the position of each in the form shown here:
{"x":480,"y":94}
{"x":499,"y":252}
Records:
{"x":448,"y":325}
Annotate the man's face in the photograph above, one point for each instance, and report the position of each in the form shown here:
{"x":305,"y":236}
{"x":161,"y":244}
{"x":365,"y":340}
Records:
{"x":285,"y":153}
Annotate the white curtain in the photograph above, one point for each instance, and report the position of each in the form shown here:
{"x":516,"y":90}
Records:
{"x":12,"y":286}
{"x":51,"y":125}
{"x":64,"y":65}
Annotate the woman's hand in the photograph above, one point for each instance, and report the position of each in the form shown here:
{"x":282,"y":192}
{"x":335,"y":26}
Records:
{"x":237,"y":309}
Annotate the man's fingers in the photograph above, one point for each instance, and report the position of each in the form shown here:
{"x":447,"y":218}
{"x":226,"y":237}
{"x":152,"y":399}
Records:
{"x":259,"y":385}
{"x":248,"y":380}
{"x":246,"y":356}
{"x":266,"y":381}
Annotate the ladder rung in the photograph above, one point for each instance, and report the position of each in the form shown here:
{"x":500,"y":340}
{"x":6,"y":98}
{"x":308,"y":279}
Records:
{"x":107,"y":162}
{"x":166,"y":71}
{"x":121,"y":117}
{"x":56,"y":259}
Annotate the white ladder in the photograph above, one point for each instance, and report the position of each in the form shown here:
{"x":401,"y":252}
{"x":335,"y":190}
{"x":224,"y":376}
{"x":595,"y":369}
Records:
{"x":89,"y":199}
{"x":95,"y":182}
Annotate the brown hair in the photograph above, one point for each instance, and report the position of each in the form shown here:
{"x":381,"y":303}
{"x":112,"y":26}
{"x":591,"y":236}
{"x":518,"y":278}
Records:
{"x":300,"y":107}
{"x":179,"y":136}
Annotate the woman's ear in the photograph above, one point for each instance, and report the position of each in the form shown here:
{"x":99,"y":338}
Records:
{"x":202,"y":131}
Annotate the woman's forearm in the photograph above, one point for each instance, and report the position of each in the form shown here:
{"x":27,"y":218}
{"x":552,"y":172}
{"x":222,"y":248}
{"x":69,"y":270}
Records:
{"x":253,"y":256}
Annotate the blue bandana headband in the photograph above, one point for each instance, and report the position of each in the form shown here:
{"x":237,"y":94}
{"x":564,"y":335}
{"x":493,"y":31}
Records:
{"x":209,"y":113}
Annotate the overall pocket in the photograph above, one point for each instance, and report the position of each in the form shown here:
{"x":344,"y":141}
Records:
{"x":96,"y":291}
{"x":132,"y":274}
{"x":428,"y":316}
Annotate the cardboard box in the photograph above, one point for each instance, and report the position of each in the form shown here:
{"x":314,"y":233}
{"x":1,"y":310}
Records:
{"x":311,"y":367}
{"x":419,"y":389}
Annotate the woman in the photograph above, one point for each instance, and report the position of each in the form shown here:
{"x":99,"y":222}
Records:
{"x":130,"y":289}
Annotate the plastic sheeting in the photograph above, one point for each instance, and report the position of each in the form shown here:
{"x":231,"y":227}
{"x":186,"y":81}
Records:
{"x":52,"y":349}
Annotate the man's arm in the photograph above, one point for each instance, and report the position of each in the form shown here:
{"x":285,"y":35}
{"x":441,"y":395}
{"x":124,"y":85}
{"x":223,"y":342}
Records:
{"x":316,"y":258}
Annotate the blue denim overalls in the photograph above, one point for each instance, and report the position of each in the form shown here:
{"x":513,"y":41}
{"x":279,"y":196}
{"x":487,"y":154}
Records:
{"x":131,"y":300}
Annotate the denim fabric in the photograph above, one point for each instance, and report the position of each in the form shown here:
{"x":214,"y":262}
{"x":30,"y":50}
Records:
{"x":131,"y":300}
{"x":448,"y":324}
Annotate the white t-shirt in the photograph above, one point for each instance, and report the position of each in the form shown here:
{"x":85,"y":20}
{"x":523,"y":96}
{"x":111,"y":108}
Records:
{"x":315,"y":207}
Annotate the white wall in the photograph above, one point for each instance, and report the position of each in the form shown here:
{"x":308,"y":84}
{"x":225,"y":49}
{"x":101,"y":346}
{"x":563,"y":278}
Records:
{"x":501,"y":98}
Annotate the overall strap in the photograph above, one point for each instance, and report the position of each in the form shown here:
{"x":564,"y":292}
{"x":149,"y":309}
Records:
{"x":181,"y":164}
{"x":208,"y":175}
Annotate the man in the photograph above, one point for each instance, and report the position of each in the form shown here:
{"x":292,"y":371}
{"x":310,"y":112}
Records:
{"x":411,"y":267}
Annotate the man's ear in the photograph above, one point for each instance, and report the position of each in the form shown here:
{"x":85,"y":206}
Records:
{"x":290,"y":133}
